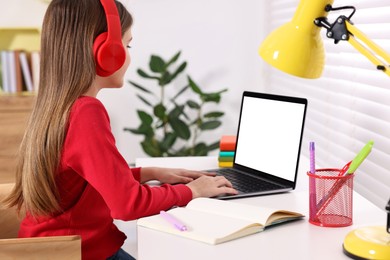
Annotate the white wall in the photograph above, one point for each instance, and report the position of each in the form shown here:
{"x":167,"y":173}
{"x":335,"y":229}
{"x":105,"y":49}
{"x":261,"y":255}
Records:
{"x":23,"y":13}
{"x":218,"y":39}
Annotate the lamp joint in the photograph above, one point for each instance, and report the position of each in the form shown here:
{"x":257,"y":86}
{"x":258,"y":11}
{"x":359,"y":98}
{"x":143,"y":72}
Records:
{"x":338,"y":30}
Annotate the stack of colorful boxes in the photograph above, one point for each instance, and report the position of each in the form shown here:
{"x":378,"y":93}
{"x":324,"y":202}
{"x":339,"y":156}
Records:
{"x":227,"y":147}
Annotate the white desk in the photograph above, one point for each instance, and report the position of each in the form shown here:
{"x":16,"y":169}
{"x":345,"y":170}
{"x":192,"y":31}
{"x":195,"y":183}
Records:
{"x":297,"y":240}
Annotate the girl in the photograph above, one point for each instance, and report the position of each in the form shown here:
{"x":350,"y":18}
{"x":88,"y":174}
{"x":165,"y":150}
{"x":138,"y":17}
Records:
{"x":71,"y":179}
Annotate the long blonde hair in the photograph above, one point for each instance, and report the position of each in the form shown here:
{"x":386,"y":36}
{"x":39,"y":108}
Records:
{"x":67,"y":70}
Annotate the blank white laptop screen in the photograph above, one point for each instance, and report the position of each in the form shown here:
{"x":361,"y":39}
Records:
{"x":269,"y":136}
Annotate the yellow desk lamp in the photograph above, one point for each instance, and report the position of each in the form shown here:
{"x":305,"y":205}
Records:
{"x":296,"y":48}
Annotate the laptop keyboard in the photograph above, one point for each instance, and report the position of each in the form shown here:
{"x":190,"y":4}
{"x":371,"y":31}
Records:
{"x":246,"y":183}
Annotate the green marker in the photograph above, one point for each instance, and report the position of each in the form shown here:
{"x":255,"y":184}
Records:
{"x":360,"y":157}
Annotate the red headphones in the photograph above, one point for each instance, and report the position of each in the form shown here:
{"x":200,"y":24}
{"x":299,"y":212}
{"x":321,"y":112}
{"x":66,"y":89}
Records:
{"x":108,"y":49}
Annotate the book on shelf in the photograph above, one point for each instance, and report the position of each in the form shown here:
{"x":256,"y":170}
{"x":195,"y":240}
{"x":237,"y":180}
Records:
{"x":3,"y":72}
{"x":11,"y":72}
{"x":227,"y":143}
{"x":19,"y":86}
{"x":26,"y":71}
{"x":35,"y":61}
{"x":214,"y":221}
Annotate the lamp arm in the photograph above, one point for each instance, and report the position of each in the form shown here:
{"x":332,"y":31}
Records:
{"x":369,"y":49}
{"x":343,"y":30}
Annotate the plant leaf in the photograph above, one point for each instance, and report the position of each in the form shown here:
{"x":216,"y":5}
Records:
{"x":182,"y":107}
{"x":132,"y":130}
{"x":146,"y":130}
{"x":168,"y":141}
{"x":182,"y":112}
{"x":209,"y":125}
{"x":157,"y":64}
{"x":193,"y":104}
{"x":173,"y":59}
{"x":176,"y":112}
{"x":179,"y":70}
{"x":196,"y":121}
{"x":159,"y":111}
{"x":214,"y":114}
{"x":194,"y":86}
{"x":213,"y":146}
{"x":211,"y":97}
{"x":180,"y":92}
{"x":144,"y":100}
{"x":143,"y":129}
{"x":185,"y":115}
{"x":145,"y":75}
{"x":181,"y":152}
{"x":181,"y":129}
{"x":160,"y":124}
{"x":151,"y":147}
{"x":222,"y":91}
{"x":200,"y":149}
{"x":140,"y":87}
{"x":164,"y":80}
{"x":145,"y":117}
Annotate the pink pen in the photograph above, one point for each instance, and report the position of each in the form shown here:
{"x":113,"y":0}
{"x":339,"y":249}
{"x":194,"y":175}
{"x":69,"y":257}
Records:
{"x":312,"y":180}
{"x":175,"y":222}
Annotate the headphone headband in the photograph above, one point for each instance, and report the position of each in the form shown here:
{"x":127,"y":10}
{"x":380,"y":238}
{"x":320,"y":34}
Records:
{"x":113,"y":21}
{"x":108,"y":48}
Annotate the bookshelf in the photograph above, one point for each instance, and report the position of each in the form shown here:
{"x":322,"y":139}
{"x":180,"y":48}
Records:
{"x":15,"y":108}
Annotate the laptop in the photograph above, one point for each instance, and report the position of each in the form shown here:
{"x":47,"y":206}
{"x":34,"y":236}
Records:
{"x":269,"y":138}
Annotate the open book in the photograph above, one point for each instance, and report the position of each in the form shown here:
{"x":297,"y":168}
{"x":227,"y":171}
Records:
{"x":216,"y":221}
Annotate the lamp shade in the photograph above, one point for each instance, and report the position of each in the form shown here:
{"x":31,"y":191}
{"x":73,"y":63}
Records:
{"x":296,"y":47}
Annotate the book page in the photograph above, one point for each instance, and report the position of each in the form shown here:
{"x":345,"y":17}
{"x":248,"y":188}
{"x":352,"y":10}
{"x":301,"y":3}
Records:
{"x":202,"y":226}
{"x":254,"y":214}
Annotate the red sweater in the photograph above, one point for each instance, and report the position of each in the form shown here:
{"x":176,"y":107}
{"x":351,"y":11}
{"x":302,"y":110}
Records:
{"x":96,"y":186}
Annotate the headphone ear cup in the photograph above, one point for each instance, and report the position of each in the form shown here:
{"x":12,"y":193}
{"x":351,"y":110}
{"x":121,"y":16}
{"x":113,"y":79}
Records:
{"x":109,"y":55}
{"x":100,"y":39}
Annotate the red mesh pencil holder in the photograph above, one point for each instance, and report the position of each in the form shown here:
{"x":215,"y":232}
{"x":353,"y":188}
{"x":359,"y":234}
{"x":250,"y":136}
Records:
{"x":330,"y":198}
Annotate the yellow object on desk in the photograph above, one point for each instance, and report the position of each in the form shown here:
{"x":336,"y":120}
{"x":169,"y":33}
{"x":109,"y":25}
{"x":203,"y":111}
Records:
{"x":368,"y":243}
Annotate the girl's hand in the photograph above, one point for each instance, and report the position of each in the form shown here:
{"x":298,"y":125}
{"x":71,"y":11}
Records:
{"x":207,"y":186}
{"x":171,"y":175}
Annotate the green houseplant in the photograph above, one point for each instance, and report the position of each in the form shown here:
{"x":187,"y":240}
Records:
{"x":172,"y":126}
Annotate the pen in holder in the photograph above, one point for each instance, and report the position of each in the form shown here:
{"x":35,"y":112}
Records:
{"x":333,"y":198}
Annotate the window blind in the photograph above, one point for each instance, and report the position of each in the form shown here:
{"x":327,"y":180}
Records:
{"x":350,"y":104}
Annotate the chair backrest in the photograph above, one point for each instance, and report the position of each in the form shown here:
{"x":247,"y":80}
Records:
{"x":11,"y":247}
{"x":9,"y":219}
{"x":61,"y":247}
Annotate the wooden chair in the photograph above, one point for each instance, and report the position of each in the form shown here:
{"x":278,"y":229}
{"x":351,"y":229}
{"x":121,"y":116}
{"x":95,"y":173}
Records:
{"x":11,"y":247}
